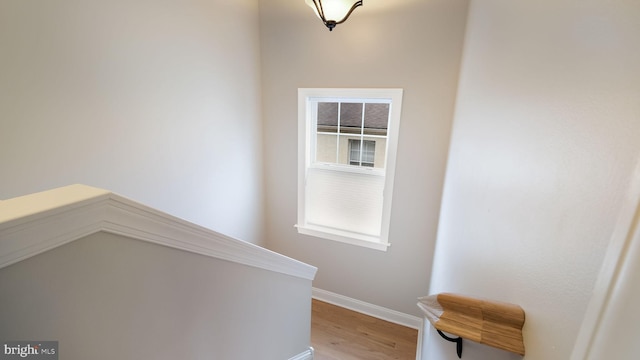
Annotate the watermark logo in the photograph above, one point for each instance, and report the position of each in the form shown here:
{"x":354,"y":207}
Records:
{"x":32,"y":350}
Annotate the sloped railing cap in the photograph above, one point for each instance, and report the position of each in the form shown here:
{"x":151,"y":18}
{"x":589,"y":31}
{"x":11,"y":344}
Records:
{"x":35,"y":223}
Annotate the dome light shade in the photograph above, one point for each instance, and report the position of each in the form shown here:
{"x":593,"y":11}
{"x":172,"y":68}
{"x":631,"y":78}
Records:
{"x":333,"y":12}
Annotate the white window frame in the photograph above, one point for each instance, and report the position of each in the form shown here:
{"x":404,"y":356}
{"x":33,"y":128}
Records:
{"x":306,"y":143}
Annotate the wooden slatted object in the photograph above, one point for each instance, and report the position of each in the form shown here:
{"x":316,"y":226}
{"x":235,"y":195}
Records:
{"x":487,"y":322}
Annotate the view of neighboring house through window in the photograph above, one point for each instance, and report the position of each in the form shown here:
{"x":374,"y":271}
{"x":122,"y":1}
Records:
{"x":347,"y":146}
{"x":364,"y":157}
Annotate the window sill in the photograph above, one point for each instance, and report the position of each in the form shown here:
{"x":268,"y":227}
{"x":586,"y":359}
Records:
{"x":366,"y":241}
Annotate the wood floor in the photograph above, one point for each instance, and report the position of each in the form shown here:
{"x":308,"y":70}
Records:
{"x":341,"y":334}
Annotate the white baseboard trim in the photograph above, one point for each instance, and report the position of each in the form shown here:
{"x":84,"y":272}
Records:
{"x":379,"y":312}
{"x":305,"y":355}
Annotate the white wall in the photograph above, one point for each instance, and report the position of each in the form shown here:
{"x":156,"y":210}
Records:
{"x":545,"y":140}
{"x":613,"y":333}
{"x":111,"y":297}
{"x":157,"y":101}
{"x":414,"y":45}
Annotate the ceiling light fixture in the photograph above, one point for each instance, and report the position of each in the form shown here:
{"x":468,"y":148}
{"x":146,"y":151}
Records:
{"x":333,"y":12}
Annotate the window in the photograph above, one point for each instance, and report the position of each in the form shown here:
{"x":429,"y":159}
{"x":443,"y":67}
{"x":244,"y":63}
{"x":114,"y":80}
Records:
{"x":347,"y":146}
{"x":364,"y":157}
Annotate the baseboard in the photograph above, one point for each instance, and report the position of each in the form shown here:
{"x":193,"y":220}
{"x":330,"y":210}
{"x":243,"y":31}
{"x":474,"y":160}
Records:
{"x":305,"y":355}
{"x":379,"y":312}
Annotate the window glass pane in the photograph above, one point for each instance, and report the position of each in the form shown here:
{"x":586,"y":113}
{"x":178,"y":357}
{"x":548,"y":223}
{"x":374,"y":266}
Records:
{"x":354,"y":152}
{"x":327,"y":117}
{"x":326,"y":148}
{"x":376,"y":119}
{"x":351,"y":118}
{"x":368,"y":152}
{"x":344,"y":148}
{"x":374,"y":152}
{"x":362,"y":152}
